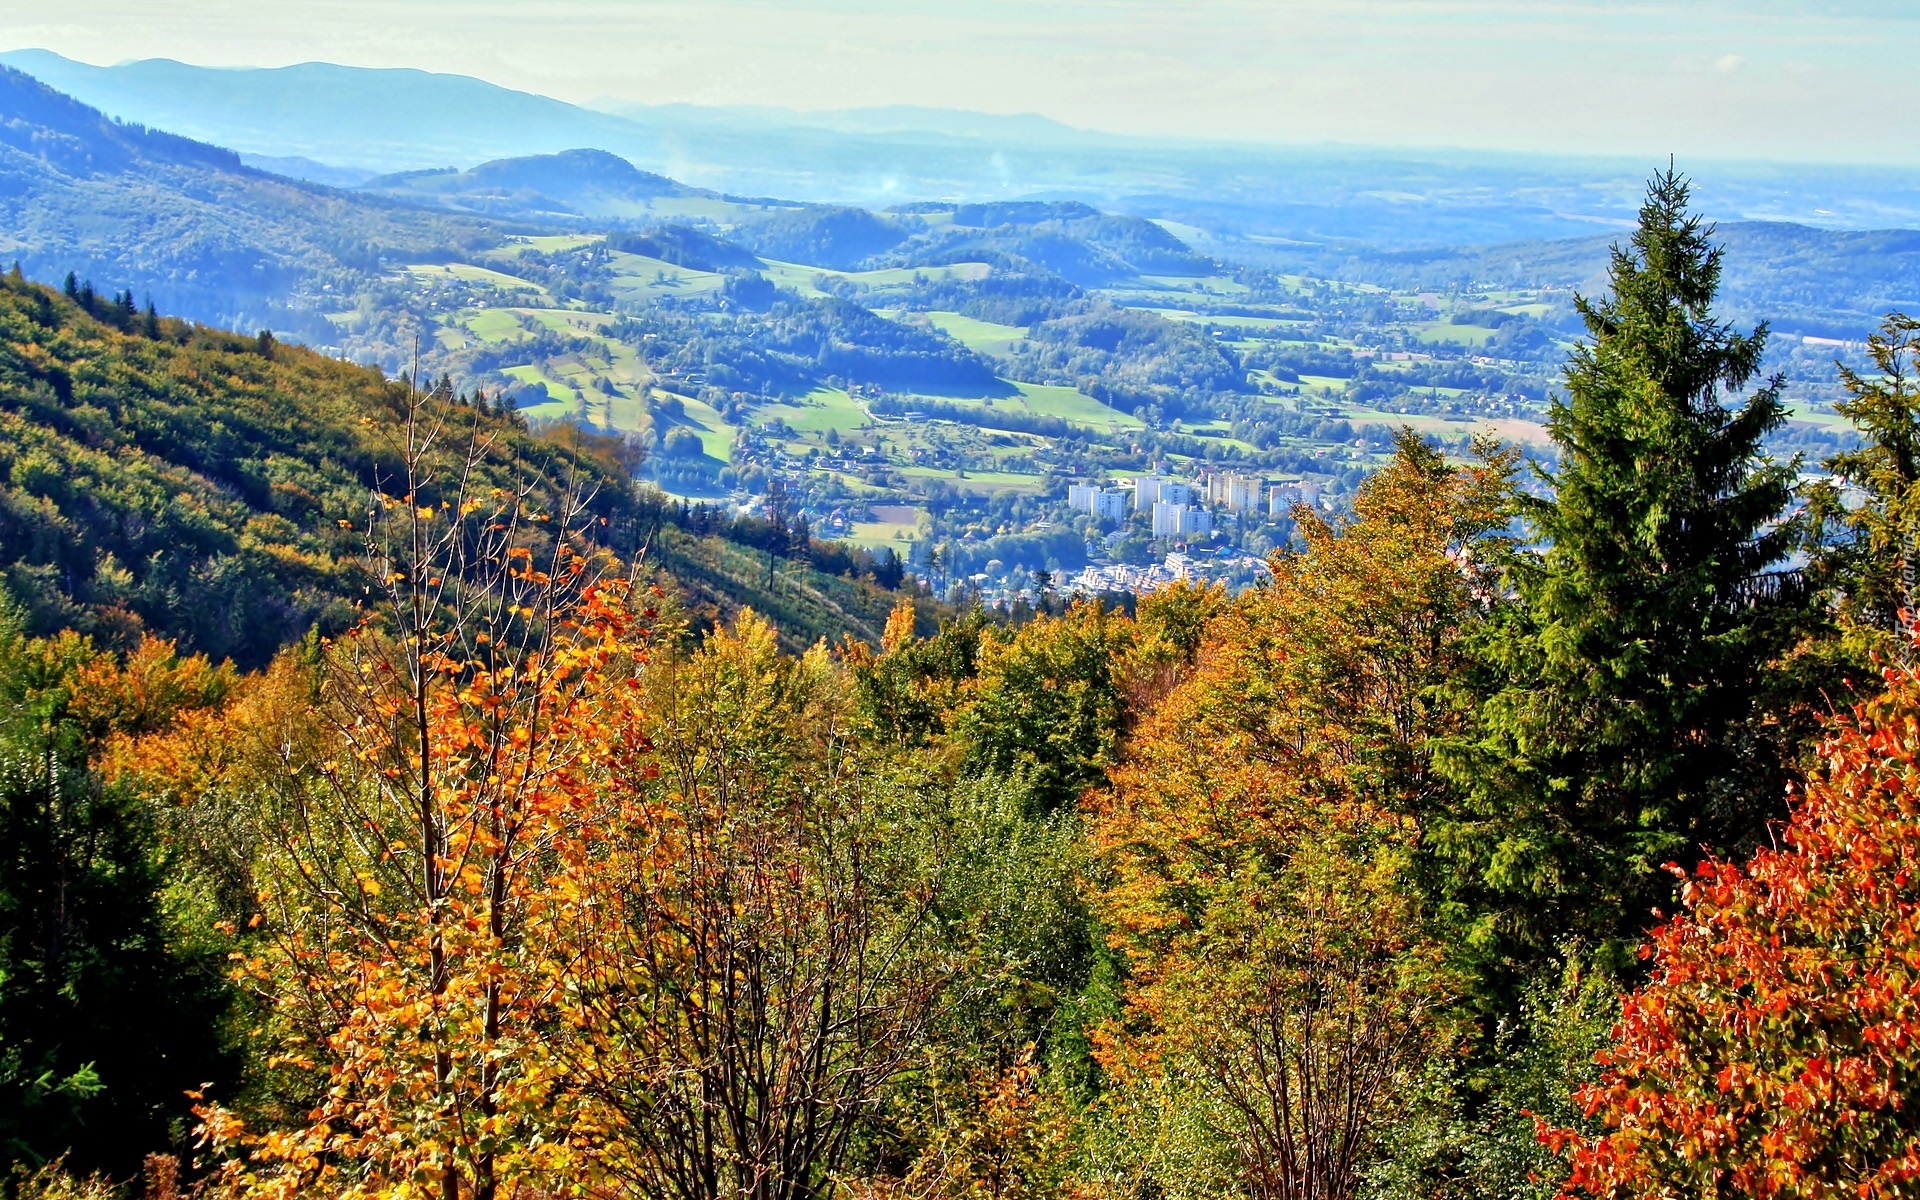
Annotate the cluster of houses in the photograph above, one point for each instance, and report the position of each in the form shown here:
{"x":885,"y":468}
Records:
{"x":1194,"y":568}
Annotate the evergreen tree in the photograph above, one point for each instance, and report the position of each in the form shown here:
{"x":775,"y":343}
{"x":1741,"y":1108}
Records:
{"x":1866,"y":552}
{"x":105,"y":1021}
{"x":1626,"y":722}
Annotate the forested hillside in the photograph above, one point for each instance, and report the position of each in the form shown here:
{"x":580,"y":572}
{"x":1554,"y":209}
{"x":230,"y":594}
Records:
{"x":168,"y":478}
{"x":163,"y":478}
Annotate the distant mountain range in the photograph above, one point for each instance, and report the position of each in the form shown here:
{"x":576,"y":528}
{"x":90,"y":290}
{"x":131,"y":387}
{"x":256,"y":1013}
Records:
{"x":339,"y":125}
{"x":219,"y":237}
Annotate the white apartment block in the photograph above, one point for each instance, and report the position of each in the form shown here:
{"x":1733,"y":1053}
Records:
{"x":1109,"y":504}
{"x":1239,"y":493}
{"x":1180,"y":520}
{"x":1149,"y":490}
{"x":1282,"y":497}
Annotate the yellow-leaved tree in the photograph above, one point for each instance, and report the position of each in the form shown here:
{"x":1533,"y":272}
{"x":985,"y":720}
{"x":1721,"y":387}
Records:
{"x":1287,"y":989}
{"x":752,"y":957}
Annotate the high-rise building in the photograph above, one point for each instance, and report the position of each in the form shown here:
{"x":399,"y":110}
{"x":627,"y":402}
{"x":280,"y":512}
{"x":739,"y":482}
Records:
{"x":1180,"y":520}
{"x":1282,"y":497}
{"x":1110,"y":504}
{"x":1166,"y":518}
{"x":1239,"y":493}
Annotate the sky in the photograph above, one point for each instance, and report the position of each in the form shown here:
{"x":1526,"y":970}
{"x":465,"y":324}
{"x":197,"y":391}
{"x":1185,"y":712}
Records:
{"x":1784,"y":80}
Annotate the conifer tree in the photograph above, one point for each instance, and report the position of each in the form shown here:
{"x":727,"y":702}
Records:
{"x":1868,"y":553}
{"x":1626,"y":725}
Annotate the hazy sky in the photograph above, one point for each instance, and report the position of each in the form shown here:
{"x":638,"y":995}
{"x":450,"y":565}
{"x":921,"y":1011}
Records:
{"x":1832,"y":80}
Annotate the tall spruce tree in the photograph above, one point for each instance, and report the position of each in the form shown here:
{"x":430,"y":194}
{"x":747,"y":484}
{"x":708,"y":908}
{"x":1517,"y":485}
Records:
{"x":1625,"y":697}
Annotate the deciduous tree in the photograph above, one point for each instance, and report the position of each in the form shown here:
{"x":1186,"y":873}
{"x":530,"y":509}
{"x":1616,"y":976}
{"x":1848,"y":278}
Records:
{"x":1775,"y":1052}
{"x":1287,"y":978}
{"x":752,"y":960}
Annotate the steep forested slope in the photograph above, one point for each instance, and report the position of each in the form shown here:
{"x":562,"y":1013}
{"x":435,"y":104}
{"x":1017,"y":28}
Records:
{"x":193,"y":482}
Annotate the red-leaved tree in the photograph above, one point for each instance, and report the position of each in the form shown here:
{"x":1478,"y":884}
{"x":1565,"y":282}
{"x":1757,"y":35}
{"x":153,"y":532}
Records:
{"x":1776,"y":1050}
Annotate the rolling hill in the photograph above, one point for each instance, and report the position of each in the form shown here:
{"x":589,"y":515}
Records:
{"x":392,"y":120}
{"x":574,"y":184}
{"x":1826,"y":282}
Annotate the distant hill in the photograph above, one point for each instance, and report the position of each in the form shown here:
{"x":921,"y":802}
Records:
{"x":190,"y":224}
{"x":1070,"y":239}
{"x":685,"y":246}
{"x":1073,"y":240}
{"x":392,"y":120}
{"x":841,"y":239}
{"x":1825,"y":282}
{"x":573,"y":183}
{"x":347,"y":116}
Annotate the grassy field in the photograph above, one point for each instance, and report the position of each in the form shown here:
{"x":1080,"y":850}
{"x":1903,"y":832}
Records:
{"x":563,"y":399}
{"x":1215,"y":285}
{"x":1511,"y":429}
{"x":494,"y":325}
{"x":1825,"y":418}
{"x":471,"y":273}
{"x":976,"y":481}
{"x":637,"y":277}
{"x":800,"y":278}
{"x":983,"y":337}
{"x":1069,"y":404}
{"x":716,"y":439}
{"x":875,"y":534}
{"x":1317,"y":382}
{"x":818,"y":411}
{"x":551,"y":244}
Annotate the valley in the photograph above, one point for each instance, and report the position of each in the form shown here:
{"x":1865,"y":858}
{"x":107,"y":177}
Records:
{"x":957,"y":366}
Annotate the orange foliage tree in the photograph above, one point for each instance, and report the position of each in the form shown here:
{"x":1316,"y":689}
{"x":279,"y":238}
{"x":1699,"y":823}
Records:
{"x":1286,"y":982}
{"x":406,"y":851}
{"x":1775,"y":1053}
